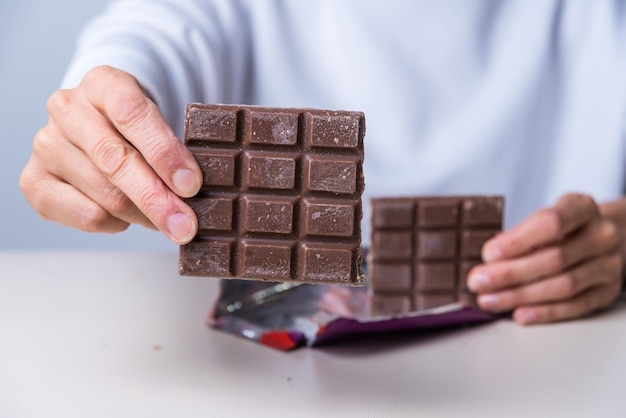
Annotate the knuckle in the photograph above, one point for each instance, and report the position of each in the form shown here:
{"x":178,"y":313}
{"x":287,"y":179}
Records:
{"x":59,"y":103}
{"x":129,"y":109}
{"x":111,"y":155}
{"x":42,"y":142}
{"x":123,"y":107}
{"x":93,"y":218}
{"x":553,"y":221}
{"x":590,"y":204}
{"x":34,"y":195}
{"x":609,"y":232}
{"x":26,"y":182}
{"x":159,"y":151}
{"x":506,"y":274}
{"x":151,"y":198}
{"x":511,"y":299}
{"x":116,"y":201}
{"x":569,"y":284}
{"x":582,"y":201}
{"x":98,"y":73}
{"x":558,"y":259}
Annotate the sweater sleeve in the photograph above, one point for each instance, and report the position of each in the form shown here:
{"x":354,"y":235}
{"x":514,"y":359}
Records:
{"x":180,"y":51}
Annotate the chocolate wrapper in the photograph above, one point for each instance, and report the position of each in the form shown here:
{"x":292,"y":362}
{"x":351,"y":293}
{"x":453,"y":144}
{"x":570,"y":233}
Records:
{"x":286,"y":316}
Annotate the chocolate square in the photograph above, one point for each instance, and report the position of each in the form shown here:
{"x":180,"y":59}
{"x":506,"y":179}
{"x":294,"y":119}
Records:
{"x":281,"y":196}
{"x":448,"y":231}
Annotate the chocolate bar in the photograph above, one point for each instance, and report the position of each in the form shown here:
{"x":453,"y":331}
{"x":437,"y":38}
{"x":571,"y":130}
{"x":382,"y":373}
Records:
{"x":281,"y":195}
{"x":422,"y":249}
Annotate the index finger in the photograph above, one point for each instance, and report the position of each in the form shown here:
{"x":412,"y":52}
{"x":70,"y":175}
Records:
{"x":120,"y":98}
{"x":543,"y":227}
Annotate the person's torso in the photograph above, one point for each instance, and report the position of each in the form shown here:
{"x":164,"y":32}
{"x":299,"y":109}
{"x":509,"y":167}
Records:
{"x":524,"y":99}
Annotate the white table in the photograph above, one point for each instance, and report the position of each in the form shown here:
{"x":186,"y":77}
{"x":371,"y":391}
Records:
{"x":122,"y":335}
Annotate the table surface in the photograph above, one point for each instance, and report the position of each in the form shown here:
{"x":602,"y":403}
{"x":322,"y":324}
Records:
{"x":86,"y":334}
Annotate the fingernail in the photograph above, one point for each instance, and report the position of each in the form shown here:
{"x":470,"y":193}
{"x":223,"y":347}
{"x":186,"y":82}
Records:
{"x":181,"y":227}
{"x":186,"y":182}
{"x":489,"y":302}
{"x":491,"y":253}
{"x":478,"y":282}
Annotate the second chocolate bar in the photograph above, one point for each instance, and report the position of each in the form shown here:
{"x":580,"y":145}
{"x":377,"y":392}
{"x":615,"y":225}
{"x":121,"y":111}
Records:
{"x":281,"y":199}
{"x":422,"y":249}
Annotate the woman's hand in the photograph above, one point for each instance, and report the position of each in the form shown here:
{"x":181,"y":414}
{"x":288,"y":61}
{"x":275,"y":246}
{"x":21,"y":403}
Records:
{"x":562,"y":262}
{"x":107,"y":159}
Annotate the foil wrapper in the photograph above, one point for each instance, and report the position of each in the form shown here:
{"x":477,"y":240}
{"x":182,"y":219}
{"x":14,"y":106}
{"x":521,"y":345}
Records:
{"x":287,"y":316}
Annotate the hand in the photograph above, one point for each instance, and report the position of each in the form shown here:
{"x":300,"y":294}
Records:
{"x":107,"y":159}
{"x":562,"y":262}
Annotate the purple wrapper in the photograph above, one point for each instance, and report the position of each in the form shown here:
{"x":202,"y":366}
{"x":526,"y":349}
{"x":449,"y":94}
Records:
{"x":288,"y":316}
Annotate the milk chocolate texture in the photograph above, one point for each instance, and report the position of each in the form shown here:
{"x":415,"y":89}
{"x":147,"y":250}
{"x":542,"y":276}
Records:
{"x":423,"y":248}
{"x":281,"y":197}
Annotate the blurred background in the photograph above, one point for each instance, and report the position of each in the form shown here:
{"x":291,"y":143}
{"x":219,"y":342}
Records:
{"x":37,"y":39}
